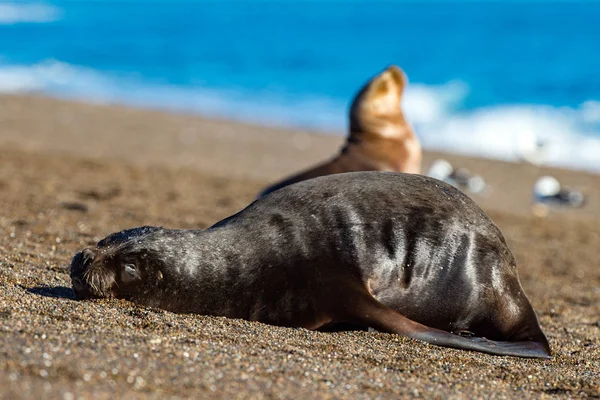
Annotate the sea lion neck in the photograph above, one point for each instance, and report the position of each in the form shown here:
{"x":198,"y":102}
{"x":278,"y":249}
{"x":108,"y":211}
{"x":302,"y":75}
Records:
{"x":371,"y":126}
{"x":374,"y":152}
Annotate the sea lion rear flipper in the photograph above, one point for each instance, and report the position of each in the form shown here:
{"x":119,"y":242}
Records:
{"x":369,"y":311}
{"x":526,"y":349}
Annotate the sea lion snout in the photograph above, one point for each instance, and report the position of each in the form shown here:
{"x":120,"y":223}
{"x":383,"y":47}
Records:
{"x":77,"y":271}
{"x":90,"y":280}
{"x":79,"y":287}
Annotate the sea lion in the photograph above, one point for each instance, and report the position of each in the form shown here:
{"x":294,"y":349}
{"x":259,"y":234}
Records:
{"x":380,"y":138}
{"x":401,"y":253}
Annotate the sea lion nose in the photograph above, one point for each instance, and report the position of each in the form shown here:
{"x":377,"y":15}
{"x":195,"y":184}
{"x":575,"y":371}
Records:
{"x":78,"y":286}
{"x":80,"y":289}
{"x":87,"y":256}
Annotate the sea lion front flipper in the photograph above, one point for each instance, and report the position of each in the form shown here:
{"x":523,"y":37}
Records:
{"x":368,"y":311}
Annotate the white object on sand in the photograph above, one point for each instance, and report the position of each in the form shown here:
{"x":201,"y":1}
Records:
{"x":458,"y":177}
{"x":546,"y":186}
{"x":440,"y":169}
{"x":548,"y":189}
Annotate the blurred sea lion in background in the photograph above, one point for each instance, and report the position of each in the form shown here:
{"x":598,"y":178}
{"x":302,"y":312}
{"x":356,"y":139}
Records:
{"x":380,"y":138}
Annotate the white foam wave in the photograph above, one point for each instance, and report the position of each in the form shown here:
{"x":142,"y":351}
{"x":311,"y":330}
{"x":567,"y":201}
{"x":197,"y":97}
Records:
{"x":541,"y":134}
{"x":271,"y":108}
{"x":14,"y":13}
{"x":561,"y":136}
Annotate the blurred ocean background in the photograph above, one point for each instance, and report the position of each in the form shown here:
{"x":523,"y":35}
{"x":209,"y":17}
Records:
{"x":503,"y":79}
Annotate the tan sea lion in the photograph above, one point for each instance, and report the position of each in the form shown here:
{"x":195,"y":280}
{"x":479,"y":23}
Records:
{"x":401,"y":253}
{"x":380,"y":138}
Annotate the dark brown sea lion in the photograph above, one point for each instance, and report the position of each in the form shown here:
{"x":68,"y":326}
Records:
{"x":380,"y":137}
{"x":401,"y":253}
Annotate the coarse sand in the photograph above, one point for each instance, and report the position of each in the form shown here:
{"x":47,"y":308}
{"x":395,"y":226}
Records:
{"x":72,"y":173}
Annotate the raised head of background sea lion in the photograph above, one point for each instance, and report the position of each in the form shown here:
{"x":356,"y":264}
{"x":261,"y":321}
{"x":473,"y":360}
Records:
{"x":400,"y":253}
{"x":380,"y":138}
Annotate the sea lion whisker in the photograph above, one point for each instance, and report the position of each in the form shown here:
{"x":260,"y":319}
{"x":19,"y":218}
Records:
{"x":87,"y":278}
{"x":94,"y":285}
{"x":98,"y":280}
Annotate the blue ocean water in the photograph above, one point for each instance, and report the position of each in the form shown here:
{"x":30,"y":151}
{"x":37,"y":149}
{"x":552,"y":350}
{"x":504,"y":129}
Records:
{"x":496,"y":79}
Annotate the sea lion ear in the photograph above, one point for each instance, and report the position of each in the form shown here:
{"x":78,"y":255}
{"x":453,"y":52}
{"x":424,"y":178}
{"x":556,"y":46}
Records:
{"x":398,"y":76}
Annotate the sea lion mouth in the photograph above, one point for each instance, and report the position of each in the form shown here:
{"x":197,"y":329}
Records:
{"x":89,"y":279}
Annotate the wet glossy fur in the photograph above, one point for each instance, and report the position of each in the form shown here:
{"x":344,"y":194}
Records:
{"x":369,"y":248}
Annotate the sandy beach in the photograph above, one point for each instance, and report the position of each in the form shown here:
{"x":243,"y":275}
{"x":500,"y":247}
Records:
{"x":72,"y":173}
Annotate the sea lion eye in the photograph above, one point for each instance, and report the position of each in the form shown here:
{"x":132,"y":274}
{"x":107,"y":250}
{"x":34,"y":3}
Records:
{"x":130,"y":273}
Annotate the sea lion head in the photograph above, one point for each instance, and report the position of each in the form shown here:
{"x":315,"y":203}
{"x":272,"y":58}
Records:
{"x":376,"y":108}
{"x":120,"y":266}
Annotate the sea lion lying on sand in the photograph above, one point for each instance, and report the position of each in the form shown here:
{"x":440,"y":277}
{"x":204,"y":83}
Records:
{"x":401,"y":253}
{"x":380,"y":138}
